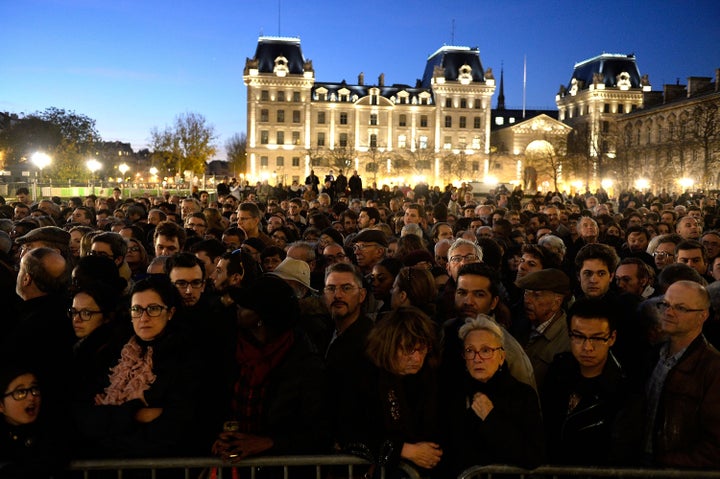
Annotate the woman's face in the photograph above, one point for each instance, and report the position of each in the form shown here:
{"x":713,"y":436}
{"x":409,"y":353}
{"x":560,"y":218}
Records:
{"x":269,"y":263}
{"x":84,"y":306}
{"x":75,"y":240}
{"x":149,"y":327}
{"x":397,"y":297}
{"x":133,"y":253}
{"x":18,"y":412}
{"x":382,"y":281}
{"x":482,"y":342}
{"x":613,"y":231}
{"x":409,"y":360}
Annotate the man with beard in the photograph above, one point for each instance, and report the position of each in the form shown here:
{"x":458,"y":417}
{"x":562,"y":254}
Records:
{"x":344,"y":295}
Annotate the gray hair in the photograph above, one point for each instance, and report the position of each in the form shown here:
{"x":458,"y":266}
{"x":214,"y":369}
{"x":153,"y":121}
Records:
{"x":463,"y":242}
{"x":412,"y":229}
{"x":482,"y":322}
{"x":553,"y":243}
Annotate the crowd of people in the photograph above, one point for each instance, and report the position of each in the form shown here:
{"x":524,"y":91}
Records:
{"x":442,"y":328}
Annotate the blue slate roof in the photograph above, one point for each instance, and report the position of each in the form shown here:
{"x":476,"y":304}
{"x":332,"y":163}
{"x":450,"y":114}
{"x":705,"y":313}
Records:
{"x":610,"y":66}
{"x":269,"y":48}
{"x":451,"y":59}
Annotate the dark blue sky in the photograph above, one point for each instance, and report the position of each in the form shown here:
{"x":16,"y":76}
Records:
{"x":133,"y":65}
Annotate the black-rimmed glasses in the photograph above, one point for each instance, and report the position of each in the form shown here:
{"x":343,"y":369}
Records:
{"x":21,"y":393}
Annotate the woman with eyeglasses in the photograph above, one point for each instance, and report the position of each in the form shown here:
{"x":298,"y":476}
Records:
{"x":491,"y":418}
{"x":29,"y":447}
{"x":100,"y":337}
{"x":148,"y":405}
{"x":392,"y":416}
{"x":137,"y":259}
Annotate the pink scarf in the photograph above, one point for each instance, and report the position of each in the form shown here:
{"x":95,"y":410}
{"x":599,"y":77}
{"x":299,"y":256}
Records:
{"x":131,"y":377}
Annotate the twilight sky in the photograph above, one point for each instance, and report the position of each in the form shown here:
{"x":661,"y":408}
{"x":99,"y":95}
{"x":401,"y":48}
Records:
{"x":136,"y":64}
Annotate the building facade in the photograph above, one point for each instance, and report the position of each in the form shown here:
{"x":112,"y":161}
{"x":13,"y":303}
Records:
{"x":435,"y":131}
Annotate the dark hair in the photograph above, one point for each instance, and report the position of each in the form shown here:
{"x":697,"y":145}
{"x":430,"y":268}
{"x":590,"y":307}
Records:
{"x":372,"y":212}
{"x":212,"y":247}
{"x":403,"y":328}
{"x":598,"y":251}
{"x":689,"y":244}
{"x":92,"y":269}
{"x":481,"y":269}
{"x":419,"y":286}
{"x":240,"y":262}
{"x":117,"y":243}
{"x":161,"y":284}
{"x":548,"y":258}
{"x":171,"y":230}
{"x":274,"y":300}
{"x":593,"y":308}
{"x":184,"y":260}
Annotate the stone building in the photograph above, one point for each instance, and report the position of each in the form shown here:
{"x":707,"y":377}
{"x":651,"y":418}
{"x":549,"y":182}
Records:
{"x":674,"y":141}
{"x":435,"y":131}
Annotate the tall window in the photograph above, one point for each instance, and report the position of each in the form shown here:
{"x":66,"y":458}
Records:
{"x":295,"y":137}
{"x":296,"y":116}
{"x":281,"y":116}
{"x":321,"y":139}
{"x":281,"y":96}
{"x":402,"y":141}
{"x":423,"y":121}
{"x":373,"y":141}
{"x":280,"y":137}
{"x":463,"y":103}
{"x":447,"y":144}
{"x":264,"y":95}
{"x":264,"y":137}
{"x":343,"y":140}
{"x":296,"y":161}
{"x":343,"y":118}
{"x":463,"y":122}
{"x":402,"y":120}
{"x":296,"y":97}
{"x":476,"y":122}
{"x":280,"y":161}
{"x":373,"y":119}
{"x":423,"y":143}
{"x":264,"y":115}
{"x":448,"y":102}
{"x":321,"y":117}
{"x":448,"y":121}
{"x":263,"y":161}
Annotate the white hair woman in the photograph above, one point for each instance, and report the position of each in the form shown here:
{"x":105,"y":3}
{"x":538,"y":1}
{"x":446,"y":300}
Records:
{"x":491,"y":418}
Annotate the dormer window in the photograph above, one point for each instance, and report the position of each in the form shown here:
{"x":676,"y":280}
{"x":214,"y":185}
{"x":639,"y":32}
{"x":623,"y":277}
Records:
{"x":281,"y":66}
{"x":623,"y":81}
{"x":465,"y":74}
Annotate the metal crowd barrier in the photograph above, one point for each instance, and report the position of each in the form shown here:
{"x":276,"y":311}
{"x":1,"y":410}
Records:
{"x":335,"y":466}
{"x":557,"y":472}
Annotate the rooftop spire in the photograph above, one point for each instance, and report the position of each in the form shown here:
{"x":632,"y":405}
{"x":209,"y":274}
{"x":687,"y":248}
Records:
{"x":501,"y":95}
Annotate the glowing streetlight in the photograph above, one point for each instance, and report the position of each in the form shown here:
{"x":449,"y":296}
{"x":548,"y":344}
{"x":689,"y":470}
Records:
{"x":153,"y":171}
{"x":93,"y":165}
{"x":123,"y":167}
{"x":642,"y":183}
{"x":41,"y":160}
{"x":606,"y":183}
{"x":686,"y":182}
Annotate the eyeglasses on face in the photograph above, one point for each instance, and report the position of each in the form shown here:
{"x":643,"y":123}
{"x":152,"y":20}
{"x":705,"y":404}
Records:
{"x":133,"y":249}
{"x":195,"y":284}
{"x":21,"y":393}
{"x":460,"y":258}
{"x":663,"y":255}
{"x":152,"y":310}
{"x":486,"y":352}
{"x":421,"y":349}
{"x":345,"y":288}
{"x":101,"y":253}
{"x":663,"y":306}
{"x":595,"y":341}
{"x":85,"y":314}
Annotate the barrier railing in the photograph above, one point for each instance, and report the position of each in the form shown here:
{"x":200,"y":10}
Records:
{"x":193,"y":467}
{"x":555,"y":472}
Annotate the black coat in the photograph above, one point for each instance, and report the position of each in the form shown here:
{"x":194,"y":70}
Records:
{"x":512,"y":433}
{"x":605,"y":426}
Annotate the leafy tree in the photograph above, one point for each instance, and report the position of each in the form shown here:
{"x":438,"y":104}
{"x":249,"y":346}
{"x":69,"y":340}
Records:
{"x":68,"y":137}
{"x":236,"y":148}
{"x":187,"y":145}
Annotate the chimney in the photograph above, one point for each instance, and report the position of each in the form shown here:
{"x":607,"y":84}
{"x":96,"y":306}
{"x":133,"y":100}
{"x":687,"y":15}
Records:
{"x":381,"y":80}
{"x":697,"y":84}
{"x":361,"y":79}
{"x":673,"y":92}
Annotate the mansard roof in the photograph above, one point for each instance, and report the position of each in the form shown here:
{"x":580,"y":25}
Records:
{"x":364,"y":90}
{"x":450,"y":59}
{"x":269,"y":48}
{"x":610,"y":66}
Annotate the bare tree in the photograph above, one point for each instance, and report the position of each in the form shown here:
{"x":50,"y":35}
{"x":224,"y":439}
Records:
{"x":706,"y":133}
{"x":236,"y":149}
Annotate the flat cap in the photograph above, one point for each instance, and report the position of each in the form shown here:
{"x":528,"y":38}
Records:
{"x":52,"y":235}
{"x":550,"y":279}
{"x":371,"y":236}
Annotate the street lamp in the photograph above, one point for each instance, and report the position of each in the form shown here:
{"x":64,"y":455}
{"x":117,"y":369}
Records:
{"x":93,"y":165}
{"x":41,"y":160}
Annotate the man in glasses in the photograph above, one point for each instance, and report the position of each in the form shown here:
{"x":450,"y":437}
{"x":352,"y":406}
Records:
{"x":589,"y":413}
{"x":682,"y":426}
{"x":187,"y":273}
